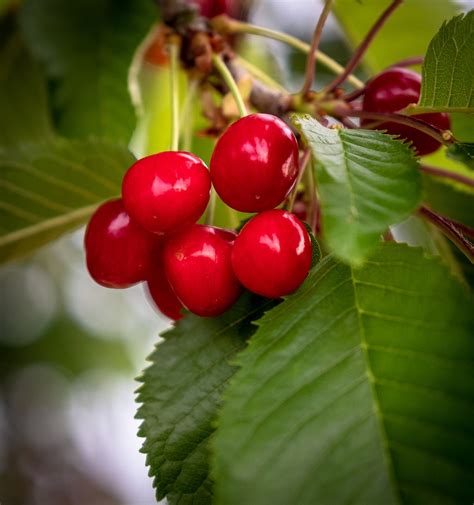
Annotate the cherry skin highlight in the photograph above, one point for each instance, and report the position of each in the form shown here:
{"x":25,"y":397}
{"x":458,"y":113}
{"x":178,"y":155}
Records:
{"x":118,"y":251}
{"x":255,"y":163}
{"x":272,"y":254}
{"x":199,"y":269}
{"x":392,"y":91}
{"x":160,"y":291}
{"x":166,"y":192}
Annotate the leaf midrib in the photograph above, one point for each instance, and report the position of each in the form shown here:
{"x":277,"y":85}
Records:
{"x":377,"y":411}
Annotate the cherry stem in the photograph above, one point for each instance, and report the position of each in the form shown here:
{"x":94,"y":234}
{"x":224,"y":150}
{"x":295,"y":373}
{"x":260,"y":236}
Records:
{"x":304,"y":161}
{"x":409,"y":62}
{"x":451,"y":229}
{"x":224,"y":24}
{"x":174,"y":93}
{"x":314,"y":215}
{"x":260,"y":74}
{"x":443,"y":136}
{"x":311,"y":61}
{"x":448,"y":174}
{"x":186,"y":118}
{"x":211,"y":207}
{"x":364,"y":45}
{"x":224,"y":72}
{"x":350,"y":97}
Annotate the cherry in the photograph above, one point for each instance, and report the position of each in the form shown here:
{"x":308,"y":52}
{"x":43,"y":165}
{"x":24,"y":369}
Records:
{"x":255,"y":163}
{"x":167,"y":191}
{"x":212,"y":8}
{"x":393,"y":90}
{"x":118,"y":252}
{"x":272,"y":254}
{"x":160,"y":291}
{"x":198,"y":267}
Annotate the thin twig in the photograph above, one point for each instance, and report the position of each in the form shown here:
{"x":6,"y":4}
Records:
{"x":409,"y":62}
{"x":451,"y":231}
{"x":174,"y":93}
{"x":350,"y":97}
{"x":224,"y":24}
{"x":360,"y":51}
{"x":311,"y":61}
{"x":442,"y":136}
{"x":227,"y":77}
{"x":304,"y":161}
{"x":448,"y":174}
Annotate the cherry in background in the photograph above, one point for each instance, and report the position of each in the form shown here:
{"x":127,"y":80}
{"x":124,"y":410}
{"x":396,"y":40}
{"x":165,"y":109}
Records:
{"x":255,"y":163}
{"x":212,"y":8}
{"x":272,"y":254}
{"x":392,"y":91}
{"x":166,"y":192}
{"x":118,"y":252}
{"x":198,"y":267}
{"x":160,"y":291}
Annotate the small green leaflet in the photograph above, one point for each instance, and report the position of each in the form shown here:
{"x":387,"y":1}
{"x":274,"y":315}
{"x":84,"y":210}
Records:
{"x":52,"y":187}
{"x":181,"y":393}
{"x":448,"y":78}
{"x":366,"y":181}
{"x":358,"y":388}
{"x":87,"y":47}
{"x":463,"y":152}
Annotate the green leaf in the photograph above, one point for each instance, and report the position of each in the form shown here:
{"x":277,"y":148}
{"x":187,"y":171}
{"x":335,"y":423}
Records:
{"x":447,"y":200}
{"x":365,"y":395}
{"x":366,"y":181}
{"x":463,"y":152}
{"x":447,"y":79}
{"x":418,"y":20}
{"x":87,"y":47}
{"x":180,"y":396}
{"x":49,"y":188}
{"x":23,"y":100}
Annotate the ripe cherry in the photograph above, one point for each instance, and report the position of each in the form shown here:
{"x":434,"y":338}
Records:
{"x":199,"y":269}
{"x":392,"y":91}
{"x":118,"y":252}
{"x":160,"y":291}
{"x":255,"y":163}
{"x":272,"y":254}
{"x":167,"y":191}
{"x":212,"y":8}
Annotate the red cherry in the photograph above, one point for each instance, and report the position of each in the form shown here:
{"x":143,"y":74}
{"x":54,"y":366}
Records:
{"x":167,"y":191}
{"x":272,"y":254}
{"x":118,"y":251}
{"x":160,"y":291}
{"x":392,"y":91}
{"x":198,"y":266}
{"x":255,"y":163}
{"x":212,"y":8}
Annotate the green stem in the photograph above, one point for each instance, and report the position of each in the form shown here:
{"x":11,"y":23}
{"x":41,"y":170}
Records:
{"x":174,"y":93}
{"x":232,"y":26}
{"x":211,"y":208}
{"x":311,"y":61}
{"x":224,"y":72}
{"x":187,"y":116}
{"x":260,"y":74}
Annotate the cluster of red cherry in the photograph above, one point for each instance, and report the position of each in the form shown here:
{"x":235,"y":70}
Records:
{"x":151,"y":235}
